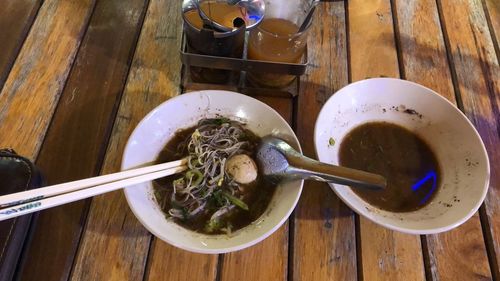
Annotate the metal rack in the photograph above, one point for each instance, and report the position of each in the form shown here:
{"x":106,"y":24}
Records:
{"x":239,"y":82}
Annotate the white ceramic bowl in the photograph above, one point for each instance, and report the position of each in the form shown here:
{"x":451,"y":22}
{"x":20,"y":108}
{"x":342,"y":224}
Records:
{"x":457,"y":145}
{"x":158,"y":127}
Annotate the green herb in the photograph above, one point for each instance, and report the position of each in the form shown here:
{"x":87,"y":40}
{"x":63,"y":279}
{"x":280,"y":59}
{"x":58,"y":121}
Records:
{"x":195,"y":176}
{"x":221,"y":120}
{"x":194,"y":161}
{"x":157,"y":194}
{"x":331,"y":142}
{"x":185,"y":214}
{"x":213,"y":225}
{"x":203,"y":192}
{"x":175,"y":205}
{"x":217,"y":199}
{"x":179,"y":181}
{"x":217,"y":121}
{"x":243,"y":136}
{"x":236,"y":201}
{"x":228,"y":229}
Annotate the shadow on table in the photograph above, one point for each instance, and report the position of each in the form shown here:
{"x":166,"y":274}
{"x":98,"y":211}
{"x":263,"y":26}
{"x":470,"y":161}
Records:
{"x":475,"y":78}
{"x":319,"y":202}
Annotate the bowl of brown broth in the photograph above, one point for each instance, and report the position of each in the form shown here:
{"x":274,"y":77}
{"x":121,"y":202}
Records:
{"x":435,"y":162}
{"x":202,"y":209}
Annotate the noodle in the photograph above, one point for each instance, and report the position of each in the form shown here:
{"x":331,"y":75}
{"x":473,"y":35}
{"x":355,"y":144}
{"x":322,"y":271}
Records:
{"x":206,"y":185}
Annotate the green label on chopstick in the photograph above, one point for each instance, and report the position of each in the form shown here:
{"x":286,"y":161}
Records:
{"x":19,"y":202}
{"x":22,"y":208}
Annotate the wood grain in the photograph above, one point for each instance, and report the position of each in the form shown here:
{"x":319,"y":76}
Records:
{"x":267,"y":260}
{"x":478,"y":77}
{"x":324,"y":245}
{"x":425,"y":62}
{"x":115,"y":246}
{"x":371,"y":40}
{"x":167,"y":262}
{"x":385,"y":254}
{"x":422,"y":46}
{"x":16,"y":18}
{"x":79,"y":131}
{"x":32,"y":89}
{"x":451,"y":252}
{"x":255,"y":263}
{"x":493,"y":13}
{"x":114,"y":239}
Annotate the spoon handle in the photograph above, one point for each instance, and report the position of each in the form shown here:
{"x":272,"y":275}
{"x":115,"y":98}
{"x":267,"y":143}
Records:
{"x":308,"y":17}
{"x":307,"y":168}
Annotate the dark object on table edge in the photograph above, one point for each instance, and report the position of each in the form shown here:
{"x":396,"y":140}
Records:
{"x":16,"y":174}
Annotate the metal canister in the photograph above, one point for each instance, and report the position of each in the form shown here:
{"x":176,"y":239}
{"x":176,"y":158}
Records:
{"x":208,"y":40}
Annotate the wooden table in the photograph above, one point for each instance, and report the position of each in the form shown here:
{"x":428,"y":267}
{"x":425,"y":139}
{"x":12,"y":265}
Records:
{"x":76,"y":76}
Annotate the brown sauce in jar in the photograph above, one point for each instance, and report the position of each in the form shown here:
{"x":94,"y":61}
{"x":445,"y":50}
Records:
{"x":277,"y":45}
{"x":219,"y":12}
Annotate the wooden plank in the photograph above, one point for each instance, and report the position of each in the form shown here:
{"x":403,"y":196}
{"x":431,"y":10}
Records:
{"x":268,"y":260}
{"x":112,"y":230}
{"x":371,"y":40}
{"x":80,"y":129}
{"x":254,"y":263}
{"x":477,"y":74}
{"x":450,"y":253}
{"x":385,"y":254}
{"x":493,"y":15}
{"x":32,"y":89}
{"x":16,"y":18}
{"x":324,"y":242}
{"x":425,"y":62}
{"x":167,"y":262}
{"x":422,"y":46}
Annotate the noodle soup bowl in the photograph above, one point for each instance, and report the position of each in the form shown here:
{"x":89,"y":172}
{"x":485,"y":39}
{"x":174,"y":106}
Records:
{"x":460,"y":152}
{"x":184,"y":111}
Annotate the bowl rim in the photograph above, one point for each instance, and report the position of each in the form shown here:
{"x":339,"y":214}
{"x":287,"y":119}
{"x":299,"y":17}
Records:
{"x":421,"y":231}
{"x":222,"y":250}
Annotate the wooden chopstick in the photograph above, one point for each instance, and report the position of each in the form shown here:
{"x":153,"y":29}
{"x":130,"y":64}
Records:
{"x":53,"y":190}
{"x":82,"y":189}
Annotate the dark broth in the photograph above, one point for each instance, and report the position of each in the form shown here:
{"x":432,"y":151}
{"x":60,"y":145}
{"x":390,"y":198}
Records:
{"x":410,"y":166}
{"x":256,"y":195}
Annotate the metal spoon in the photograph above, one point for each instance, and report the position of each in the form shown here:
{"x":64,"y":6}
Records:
{"x":277,"y":158}
{"x":308,"y":18}
{"x":254,"y":9}
{"x":206,"y":20}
